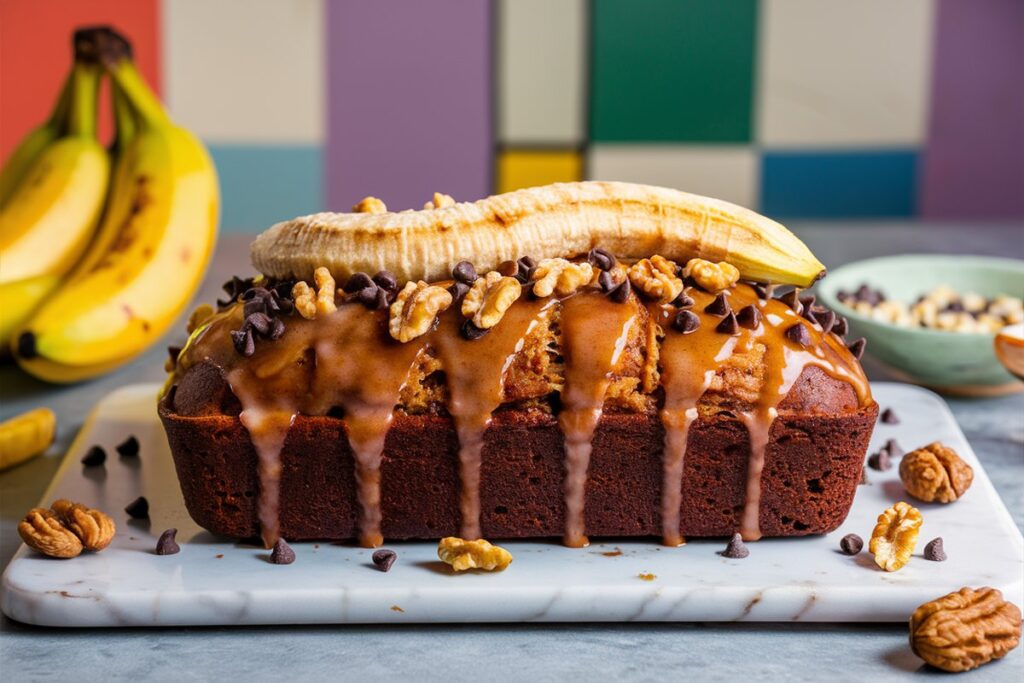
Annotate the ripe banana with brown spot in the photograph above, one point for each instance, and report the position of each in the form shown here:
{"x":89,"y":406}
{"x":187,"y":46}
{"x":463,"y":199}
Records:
{"x":560,"y":220}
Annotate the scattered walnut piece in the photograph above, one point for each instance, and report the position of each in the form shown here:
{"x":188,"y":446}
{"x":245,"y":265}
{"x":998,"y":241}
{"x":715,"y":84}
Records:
{"x":656,"y":277}
{"x":43,"y":531}
{"x":478,"y":554}
{"x":199,"y":316}
{"x":93,"y":528}
{"x":370,"y":205}
{"x":965,"y":629}
{"x":895,"y":535}
{"x":489,"y":298}
{"x":305,"y":300}
{"x":415,"y":309}
{"x":440,"y":201}
{"x":935,"y":474}
{"x":714,"y":277}
{"x":309,"y":302}
{"x":560,"y":276}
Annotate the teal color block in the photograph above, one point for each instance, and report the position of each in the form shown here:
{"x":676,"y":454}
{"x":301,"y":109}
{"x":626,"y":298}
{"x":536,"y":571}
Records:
{"x":672,"y":70}
{"x":263,"y":184}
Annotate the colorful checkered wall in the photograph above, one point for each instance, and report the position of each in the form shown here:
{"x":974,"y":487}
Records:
{"x":812,"y":109}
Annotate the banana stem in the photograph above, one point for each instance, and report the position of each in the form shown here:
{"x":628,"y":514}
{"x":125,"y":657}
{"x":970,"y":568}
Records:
{"x":63,"y":106}
{"x":84,"y":98}
{"x":143,"y":102}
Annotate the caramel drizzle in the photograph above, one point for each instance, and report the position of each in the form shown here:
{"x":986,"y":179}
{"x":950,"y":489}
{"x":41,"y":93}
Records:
{"x":475,"y":375}
{"x":594,"y":334}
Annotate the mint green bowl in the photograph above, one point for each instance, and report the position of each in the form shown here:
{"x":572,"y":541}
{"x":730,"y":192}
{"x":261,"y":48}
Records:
{"x":951,"y":362}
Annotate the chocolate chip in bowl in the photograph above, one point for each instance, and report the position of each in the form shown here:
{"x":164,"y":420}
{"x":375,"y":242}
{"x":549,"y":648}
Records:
{"x":932,"y":319}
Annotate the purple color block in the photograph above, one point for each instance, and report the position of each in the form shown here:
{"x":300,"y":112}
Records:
{"x":974,"y":161}
{"x":409,"y":103}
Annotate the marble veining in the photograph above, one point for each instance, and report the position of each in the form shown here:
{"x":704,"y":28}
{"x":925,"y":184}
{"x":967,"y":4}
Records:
{"x":782,"y":580}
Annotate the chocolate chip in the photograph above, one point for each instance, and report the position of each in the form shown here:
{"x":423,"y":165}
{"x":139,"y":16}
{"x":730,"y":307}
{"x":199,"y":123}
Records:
{"x":174,"y":352}
{"x":851,"y":544}
{"x":605,"y":281}
{"x":857,"y":348}
{"x":471,"y":331}
{"x":720,"y":306}
{"x":807,"y":301}
{"x":889,"y":417}
{"x":234,"y":288}
{"x":464,"y":272}
{"x":683,"y":301}
{"x":166,"y":545}
{"x":842,"y":327}
{"x":798,"y":334}
{"x":276,"y":328}
{"x":282,"y":553}
{"x":357,"y":282}
{"x":826,"y":320}
{"x":386,"y":281}
{"x":524,"y":269}
{"x":508,"y":268}
{"x":94,"y":456}
{"x":893,"y":449}
{"x":728,"y":324}
{"x":129,"y":448}
{"x":879,"y":461}
{"x":749,"y":317}
{"x":735,"y":550}
{"x":243,"y":341}
{"x":458,"y":290}
{"x":686,"y":322}
{"x":620,"y":294}
{"x":381,"y":300}
{"x":384,"y":558}
{"x":138,"y":508}
{"x":763,"y":291}
{"x":934,"y":551}
{"x":367,"y":296}
{"x":601,"y":259}
{"x":259,"y":322}
{"x":792,"y":299}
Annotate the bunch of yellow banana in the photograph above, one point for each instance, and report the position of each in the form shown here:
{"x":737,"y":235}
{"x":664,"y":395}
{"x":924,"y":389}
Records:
{"x":140,"y":267}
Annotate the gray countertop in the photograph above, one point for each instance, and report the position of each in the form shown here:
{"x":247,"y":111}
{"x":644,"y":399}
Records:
{"x":995,"y":428}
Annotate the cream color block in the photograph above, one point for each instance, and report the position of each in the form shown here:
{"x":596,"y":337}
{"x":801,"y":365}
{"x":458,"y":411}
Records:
{"x":838,"y":73}
{"x":724,"y":172}
{"x":246,"y":70}
{"x":540,"y":72}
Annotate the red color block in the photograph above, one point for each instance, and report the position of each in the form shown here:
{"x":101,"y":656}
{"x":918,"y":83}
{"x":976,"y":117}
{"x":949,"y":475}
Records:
{"x":35,"y":55}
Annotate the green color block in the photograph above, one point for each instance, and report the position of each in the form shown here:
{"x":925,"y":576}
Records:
{"x":672,"y":70}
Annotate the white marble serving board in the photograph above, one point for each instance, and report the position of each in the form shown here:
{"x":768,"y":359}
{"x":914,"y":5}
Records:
{"x":217,"y":582}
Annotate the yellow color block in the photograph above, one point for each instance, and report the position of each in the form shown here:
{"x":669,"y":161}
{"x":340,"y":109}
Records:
{"x":528,"y":168}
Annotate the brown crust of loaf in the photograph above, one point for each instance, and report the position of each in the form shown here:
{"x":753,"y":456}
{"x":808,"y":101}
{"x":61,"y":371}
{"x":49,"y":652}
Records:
{"x":812,"y":470}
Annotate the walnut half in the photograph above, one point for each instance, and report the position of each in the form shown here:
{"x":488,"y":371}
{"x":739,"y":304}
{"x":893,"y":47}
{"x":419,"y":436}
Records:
{"x":478,"y":554}
{"x":415,"y":309}
{"x":43,"y":532}
{"x":94,"y":528}
{"x":559,"y":276}
{"x":895,"y":535}
{"x":963,"y":630}
{"x":711,"y":276}
{"x":935,"y":474}
{"x":489,"y":297}
{"x":656,"y":277}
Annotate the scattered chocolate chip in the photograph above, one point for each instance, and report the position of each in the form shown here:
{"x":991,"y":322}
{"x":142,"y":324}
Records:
{"x":954,"y":307}
{"x":686,"y":322}
{"x":458,"y":290}
{"x":792,"y":299}
{"x":243,"y":341}
{"x":471,"y":331}
{"x":601,"y":259}
{"x":841,"y":327}
{"x":605,"y":281}
{"x":357,"y":282}
{"x":508,"y":268}
{"x":798,"y":334}
{"x":259,"y":322}
{"x":728,"y":324}
{"x":621,"y":293}
{"x":851,"y":544}
{"x":807,"y":301}
{"x":749,"y":317}
{"x":720,"y":306}
{"x":384,"y":558}
{"x":276,"y":328}
{"x":464,"y":272}
{"x":524,"y":269}
{"x":889,"y":417}
{"x":367,"y":296}
{"x":166,"y":545}
{"x":683,"y":301}
{"x":736,"y":549}
{"x":893,"y":449}
{"x":879,"y":461}
{"x":762,"y":290}
{"x":386,"y":281}
{"x":174,"y":352}
{"x":138,"y":508}
{"x":826,"y":320}
{"x":857,"y":348}
{"x":282,"y":553}
{"x":94,"y":456}
{"x":934,"y":551}
{"x":129,"y":448}
{"x":234,"y":288}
